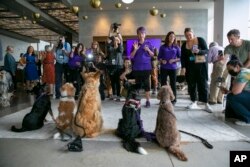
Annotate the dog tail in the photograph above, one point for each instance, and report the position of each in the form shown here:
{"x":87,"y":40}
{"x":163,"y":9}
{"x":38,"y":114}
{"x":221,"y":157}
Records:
{"x":178,"y":153}
{"x":14,"y":129}
{"x":133,"y":146}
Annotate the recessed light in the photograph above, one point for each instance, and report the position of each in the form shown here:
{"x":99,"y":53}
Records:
{"x":180,"y":7}
{"x":127,"y":7}
{"x":127,"y":1}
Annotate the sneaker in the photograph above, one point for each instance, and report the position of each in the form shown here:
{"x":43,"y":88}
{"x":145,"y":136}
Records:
{"x":242,"y":123}
{"x":193,"y":105}
{"x":118,"y":99}
{"x":147,"y":104}
{"x":208,"y":108}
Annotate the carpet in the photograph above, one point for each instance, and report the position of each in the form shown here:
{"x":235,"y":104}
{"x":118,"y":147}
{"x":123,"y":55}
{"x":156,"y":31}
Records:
{"x":198,"y":122}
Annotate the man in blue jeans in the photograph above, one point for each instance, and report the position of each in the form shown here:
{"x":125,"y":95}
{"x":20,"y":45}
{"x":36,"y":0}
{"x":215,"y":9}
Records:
{"x":238,"y":104}
{"x":62,"y":57}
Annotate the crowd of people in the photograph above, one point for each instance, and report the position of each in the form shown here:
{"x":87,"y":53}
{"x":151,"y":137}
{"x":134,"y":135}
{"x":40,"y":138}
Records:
{"x":144,"y":65}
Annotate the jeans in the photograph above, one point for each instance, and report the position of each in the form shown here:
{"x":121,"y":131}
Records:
{"x":238,"y":106}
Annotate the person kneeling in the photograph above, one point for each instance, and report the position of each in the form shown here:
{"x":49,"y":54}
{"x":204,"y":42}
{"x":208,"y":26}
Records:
{"x":237,"y":104}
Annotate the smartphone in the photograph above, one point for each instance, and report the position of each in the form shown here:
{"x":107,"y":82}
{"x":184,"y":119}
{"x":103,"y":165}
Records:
{"x":220,"y":53}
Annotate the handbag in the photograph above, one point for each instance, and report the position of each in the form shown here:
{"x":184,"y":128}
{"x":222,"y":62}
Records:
{"x":75,"y":145}
{"x":200,"y":59}
{"x":124,"y":92}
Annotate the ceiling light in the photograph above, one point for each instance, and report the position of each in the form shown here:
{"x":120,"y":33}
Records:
{"x":163,"y":15}
{"x":36,"y":15}
{"x":75,"y":9}
{"x":127,"y":1}
{"x":118,"y":5}
{"x":95,"y":3}
{"x":85,"y":17}
{"x":153,"y":11}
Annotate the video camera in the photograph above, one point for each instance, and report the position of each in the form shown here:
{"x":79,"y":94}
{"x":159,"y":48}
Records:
{"x":60,"y":44}
{"x":115,"y":26}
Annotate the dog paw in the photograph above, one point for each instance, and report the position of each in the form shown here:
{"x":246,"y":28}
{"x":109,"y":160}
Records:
{"x":57,"y":136}
{"x":142,"y":151}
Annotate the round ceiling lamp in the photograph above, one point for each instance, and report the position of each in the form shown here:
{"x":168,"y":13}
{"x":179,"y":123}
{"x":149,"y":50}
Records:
{"x":95,"y":3}
{"x":154,"y":11}
{"x":85,"y":17}
{"x":118,"y":5}
{"x":127,"y":1}
{"x":163,"y":15}
{"x":36,"y":15}
{"x":75,"y":9}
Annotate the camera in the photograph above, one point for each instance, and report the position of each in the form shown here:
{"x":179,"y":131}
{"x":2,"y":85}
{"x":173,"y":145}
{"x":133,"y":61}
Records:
{"x":89,"y":59}
{"x":60,"y":44}
{"x":220,"y":80}
{"x":115,"y":26}
{"x":220,"y":53}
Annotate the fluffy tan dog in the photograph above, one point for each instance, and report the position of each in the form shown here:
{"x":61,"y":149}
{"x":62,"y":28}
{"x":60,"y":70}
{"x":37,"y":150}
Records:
{"x":88,"y":122}
{"x":166,"y":130}
{"x":66,"y":107}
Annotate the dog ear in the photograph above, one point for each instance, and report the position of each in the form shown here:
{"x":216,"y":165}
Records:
{"x":97,"y":74}
{"x":84,"y":75}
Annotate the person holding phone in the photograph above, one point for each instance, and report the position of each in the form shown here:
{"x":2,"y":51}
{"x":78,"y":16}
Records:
{"x":237,"y":104}
{"x":194,"y":66}
{"x":215,"y":55}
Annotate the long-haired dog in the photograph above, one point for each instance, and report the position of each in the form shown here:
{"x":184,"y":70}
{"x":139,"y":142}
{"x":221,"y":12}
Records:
{"x":35,"y":119}
{"x":66,"y":109}
{"x":5,"y":86}
{"x":167,"y":134}
{"x":88,"y":118}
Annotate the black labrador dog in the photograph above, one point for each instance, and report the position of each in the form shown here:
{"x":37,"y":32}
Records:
{"x":35,"y":119}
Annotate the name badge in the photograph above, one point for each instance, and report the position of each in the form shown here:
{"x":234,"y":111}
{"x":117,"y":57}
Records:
{"x":113,"y":61}
{"x":61,"y":57}
{"x":191,"y":58}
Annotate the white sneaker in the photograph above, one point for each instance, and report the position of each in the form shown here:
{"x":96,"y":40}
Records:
{"x":193,"y":105}
{"x":241,"y":123}
{"x":208,"y":108}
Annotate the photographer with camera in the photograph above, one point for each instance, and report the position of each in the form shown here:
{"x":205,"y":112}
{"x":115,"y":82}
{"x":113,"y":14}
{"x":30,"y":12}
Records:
{"x":62,"y":52}
{"x":114,"y":59}
{"x":216,"y":56}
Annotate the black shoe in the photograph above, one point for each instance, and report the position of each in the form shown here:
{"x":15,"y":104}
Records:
{"x":212,"y":103}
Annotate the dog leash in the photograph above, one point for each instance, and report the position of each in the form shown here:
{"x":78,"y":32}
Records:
{"x":75,"y":122}
{"x":204,"y":141}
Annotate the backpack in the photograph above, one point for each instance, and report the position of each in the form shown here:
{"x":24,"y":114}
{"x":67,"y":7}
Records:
{"x":129,"y":125}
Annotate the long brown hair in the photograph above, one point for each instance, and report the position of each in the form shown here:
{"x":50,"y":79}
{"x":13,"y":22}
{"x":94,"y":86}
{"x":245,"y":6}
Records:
{"x":167,"y":38}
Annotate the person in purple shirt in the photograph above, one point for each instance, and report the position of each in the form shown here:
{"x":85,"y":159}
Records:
{"x":141,"y":55}
{"x":75,"y":64}
{"x":169,"y":55}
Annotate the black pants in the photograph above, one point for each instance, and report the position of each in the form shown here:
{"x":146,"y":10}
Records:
{"x":115,"y":81}
{"x":14,"y":81}
{"x":197,"y":77}
{"x":75,"y":78}
{"x":172,"y":77}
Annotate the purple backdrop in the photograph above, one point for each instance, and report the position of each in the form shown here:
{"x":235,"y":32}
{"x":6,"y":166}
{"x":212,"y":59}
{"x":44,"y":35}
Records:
{"x":156,"y":42}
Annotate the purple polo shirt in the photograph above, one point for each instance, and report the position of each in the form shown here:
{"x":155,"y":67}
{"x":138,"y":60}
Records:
{"x":72,"y":61}
{"x":167,"y":53}
{"x":142,"y":60}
